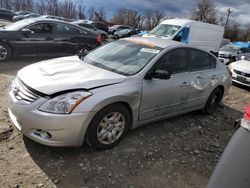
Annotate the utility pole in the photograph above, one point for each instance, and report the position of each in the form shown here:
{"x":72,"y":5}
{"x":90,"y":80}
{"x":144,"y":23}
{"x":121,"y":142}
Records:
{"x":229,"y":11}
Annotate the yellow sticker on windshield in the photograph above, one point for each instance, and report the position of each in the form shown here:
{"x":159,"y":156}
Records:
{"x":150,"y":50}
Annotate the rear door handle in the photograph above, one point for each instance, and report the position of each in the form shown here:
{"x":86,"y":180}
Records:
{"x":185,"y":84}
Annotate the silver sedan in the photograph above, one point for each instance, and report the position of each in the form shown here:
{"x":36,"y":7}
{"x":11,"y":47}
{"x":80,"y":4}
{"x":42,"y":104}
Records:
{"x":121,"y":85}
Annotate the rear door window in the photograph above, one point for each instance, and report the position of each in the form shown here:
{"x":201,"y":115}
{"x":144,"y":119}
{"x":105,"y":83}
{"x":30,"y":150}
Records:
{"x":200,"y":60}
{"x":174,"y":61}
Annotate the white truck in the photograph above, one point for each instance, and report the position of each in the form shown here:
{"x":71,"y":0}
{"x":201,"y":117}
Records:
{"x":198,"y":34}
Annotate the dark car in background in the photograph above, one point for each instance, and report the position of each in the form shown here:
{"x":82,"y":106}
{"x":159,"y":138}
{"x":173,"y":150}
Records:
{"x":103,"y":34}
{"x":25,"y":16}
{"x":115,"y":28}
{"x":6,"y":14}
{"x":44,"y":36}
{"x":98,"y":24}
{"x":126,"y":33}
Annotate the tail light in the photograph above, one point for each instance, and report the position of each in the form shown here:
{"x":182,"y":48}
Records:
{"x":245,"y":122}
{"x":247,"y":113}
{"x":98,"y":39}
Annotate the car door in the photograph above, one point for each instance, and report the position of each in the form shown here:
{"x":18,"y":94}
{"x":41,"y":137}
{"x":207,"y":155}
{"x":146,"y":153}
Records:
{"x":166,"y":97}
{"x":203,"y":77}
{"x":38,"y":41}
{"x":67,"y":38}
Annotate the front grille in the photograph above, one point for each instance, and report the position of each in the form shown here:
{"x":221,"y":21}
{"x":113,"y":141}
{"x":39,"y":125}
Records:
{"x":242,"y":73}
{"x":241,"y":80}
{"x":22,"y":93}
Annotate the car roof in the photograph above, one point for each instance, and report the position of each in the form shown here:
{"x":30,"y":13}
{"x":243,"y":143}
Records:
{"x":40,"y":19}
{"x":162,"y":43}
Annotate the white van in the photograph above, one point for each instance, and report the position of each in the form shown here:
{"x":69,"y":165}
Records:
{"x":198,"y":34}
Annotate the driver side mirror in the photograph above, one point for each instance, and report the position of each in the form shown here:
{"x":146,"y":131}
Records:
{"x":158,"y":74}
{"x":177,"y":38}
{"x":26,"y":32}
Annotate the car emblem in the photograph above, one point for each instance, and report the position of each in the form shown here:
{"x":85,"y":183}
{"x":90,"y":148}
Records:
{"x":15,"y":90}
{"x":242,"y":74}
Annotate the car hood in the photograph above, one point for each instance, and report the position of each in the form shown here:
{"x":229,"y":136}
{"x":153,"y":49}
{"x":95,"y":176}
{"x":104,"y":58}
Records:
{"x":67,"y":73}
{"x":242,"y":65}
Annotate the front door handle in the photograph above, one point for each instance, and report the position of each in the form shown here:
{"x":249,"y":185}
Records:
{"x":198,"y":76}
{"x":214,"y":77}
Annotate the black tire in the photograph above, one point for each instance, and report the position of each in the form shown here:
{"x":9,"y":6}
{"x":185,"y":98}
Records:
{"x":213,"y":101}
{"x":5,"y":53}
{"x":95,"y":125}
{"x":103,"y":37}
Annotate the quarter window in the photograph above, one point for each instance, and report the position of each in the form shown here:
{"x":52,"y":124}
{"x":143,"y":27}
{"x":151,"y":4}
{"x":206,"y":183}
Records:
{"x":174,"y":61}
{"x":65,"y":29}
{"x":199,"y":60}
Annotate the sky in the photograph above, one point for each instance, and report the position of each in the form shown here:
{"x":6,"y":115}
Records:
{"x":176,"y":8}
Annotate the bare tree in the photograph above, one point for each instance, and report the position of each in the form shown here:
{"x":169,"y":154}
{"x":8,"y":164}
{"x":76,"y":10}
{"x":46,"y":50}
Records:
{"x":127,"y":17}
{"x":205,"y":12}
{"x":157,"y":17}
{"x":81,"y":10}
{"x":148,"y":19}
{"x":91,"y":13}
{"x":100,"y":14}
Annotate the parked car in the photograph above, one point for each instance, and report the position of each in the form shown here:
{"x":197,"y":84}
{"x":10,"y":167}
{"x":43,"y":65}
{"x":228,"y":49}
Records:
{"x":19,"y":13}
{"x":233,"y":167}
{"x":25,"y":16}
{"x":242,"y":56}
{"x":240,"y":71}
{"x":126,"y":33}
{"x":56,"y":18}
{"x":103,"y":34}
{"x":201,"y":35}
{"x":98,"y":24}
{"x":126,"y":83}
{"x":6,"y":14}
{"x":44,"y":36}
{"x":229,"y":53}
{"x":115,"y":28}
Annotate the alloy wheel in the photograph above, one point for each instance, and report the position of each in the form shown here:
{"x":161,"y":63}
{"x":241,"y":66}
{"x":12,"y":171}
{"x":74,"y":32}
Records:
{"x":111,"y":128}
{"x":3,"y":53}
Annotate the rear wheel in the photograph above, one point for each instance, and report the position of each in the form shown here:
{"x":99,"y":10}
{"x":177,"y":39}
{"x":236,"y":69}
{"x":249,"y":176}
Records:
{"x":213,"y":101}
{"x":5,"y":52}
{"x":108,"y":127}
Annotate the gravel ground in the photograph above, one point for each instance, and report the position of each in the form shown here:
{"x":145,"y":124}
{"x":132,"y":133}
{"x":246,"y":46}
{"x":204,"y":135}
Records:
{"x":179,"y":152}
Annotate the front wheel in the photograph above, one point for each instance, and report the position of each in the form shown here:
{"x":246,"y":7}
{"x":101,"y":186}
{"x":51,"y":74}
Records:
{"x":5,"y":52}
{"x":108,"y":127}
{"x":213,"y":101}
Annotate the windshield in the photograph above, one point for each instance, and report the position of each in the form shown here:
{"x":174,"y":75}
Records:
{"x":165,"y":30}
{"x":248,"y":58}
{"x":233,"y":49}
{"x":19,"y":25}
{"x":122,"y":57}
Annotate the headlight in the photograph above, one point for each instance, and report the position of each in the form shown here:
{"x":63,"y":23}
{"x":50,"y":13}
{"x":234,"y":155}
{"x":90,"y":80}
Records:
{"x":66,"y":103}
